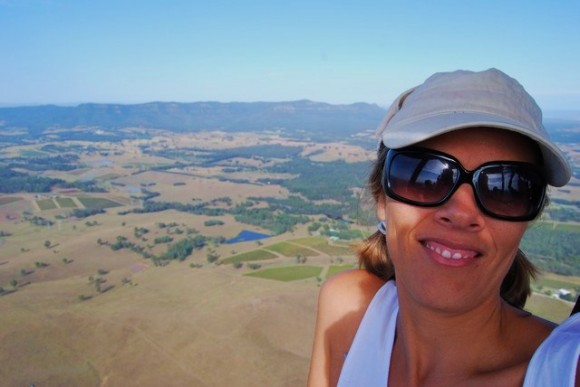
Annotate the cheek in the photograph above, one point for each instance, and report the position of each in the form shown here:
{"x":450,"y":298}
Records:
{"x":404,"y":217}
{"x":508,"y":236}
{"x":402,"y":221}
{"x":507,"y":241}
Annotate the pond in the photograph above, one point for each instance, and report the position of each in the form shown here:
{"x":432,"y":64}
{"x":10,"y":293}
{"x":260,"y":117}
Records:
{"x":133,"y":189}
{"x":247,"y":236}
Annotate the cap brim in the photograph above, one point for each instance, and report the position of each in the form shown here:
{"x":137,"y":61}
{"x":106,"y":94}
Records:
{"x":406,"y":133}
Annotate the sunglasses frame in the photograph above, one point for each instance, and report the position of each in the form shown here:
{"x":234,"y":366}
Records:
{"x":465,"y":176}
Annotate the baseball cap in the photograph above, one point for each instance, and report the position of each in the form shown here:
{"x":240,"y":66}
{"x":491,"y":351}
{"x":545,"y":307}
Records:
{"x":451,"y":101}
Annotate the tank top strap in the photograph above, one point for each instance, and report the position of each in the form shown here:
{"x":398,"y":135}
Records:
{"x":368,"y":359}
{"x":555,"y":361}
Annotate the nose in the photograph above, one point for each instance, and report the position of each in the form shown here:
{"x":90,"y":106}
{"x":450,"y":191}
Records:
{"x":461,"y":210}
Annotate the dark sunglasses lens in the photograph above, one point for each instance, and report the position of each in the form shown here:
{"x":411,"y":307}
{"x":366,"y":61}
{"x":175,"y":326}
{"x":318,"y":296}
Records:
{"x":424,"y":180}
{"x":510,"y":191}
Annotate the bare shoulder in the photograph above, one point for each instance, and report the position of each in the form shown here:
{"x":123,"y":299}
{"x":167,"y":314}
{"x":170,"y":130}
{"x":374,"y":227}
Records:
{"x":530,"y":329}
{"x":524,"y":334}
{"x":342,"y":302}
{"x":349,"y":291}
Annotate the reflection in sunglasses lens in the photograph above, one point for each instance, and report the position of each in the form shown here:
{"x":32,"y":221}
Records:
{"x":502,"y":190}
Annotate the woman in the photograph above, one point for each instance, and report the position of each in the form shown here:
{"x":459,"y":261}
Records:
{"x":462,"y":169}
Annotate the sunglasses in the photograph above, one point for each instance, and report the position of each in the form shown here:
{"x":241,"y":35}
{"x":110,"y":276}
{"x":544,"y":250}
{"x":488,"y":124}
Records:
{"x":507,"y":190}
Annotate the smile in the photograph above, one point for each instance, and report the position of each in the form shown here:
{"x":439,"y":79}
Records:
{"x":449,"y":253}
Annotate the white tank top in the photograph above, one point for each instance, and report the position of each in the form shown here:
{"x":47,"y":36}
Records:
{"x":367,"y":362}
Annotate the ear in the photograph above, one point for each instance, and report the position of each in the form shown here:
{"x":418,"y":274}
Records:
{"x":381,"y":208}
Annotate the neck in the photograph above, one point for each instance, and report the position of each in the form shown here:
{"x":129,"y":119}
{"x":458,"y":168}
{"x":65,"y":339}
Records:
{"x":436,"y":345}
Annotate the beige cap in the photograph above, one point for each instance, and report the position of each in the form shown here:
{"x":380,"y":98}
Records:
{"x":447,"y":102}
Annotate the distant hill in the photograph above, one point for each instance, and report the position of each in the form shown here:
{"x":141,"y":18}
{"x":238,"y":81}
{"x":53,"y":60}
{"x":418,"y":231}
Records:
{"x":304,"y":118}
{"x":296,"y":116}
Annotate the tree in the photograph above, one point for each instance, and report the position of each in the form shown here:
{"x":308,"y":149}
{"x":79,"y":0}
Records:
{"x":212,"y":256}
{"x":47,"y":244}
{"x":300,"y":259}
{"x":14,"y":283}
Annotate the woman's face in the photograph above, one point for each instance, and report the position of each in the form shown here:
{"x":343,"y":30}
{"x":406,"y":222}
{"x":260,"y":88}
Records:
{"x":453,"y":257}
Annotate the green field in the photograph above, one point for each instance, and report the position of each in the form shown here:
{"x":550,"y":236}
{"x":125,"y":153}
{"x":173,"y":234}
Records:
{"x":558,"y":226}
{"x":310,"y":241}
{"x":291,"y":250}
{"x":46,"y":204}
{"x":89,"y":202}
{"x":568,"y":227}
{"x":256,"y":255}
{"x":289,"y":273}
{"x":335,"y":269}
{"x":322,"y":244}
{"x":66,"y":203}
{"x":557,"y":283}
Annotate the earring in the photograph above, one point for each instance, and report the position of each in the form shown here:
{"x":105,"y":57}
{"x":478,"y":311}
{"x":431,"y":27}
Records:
{"x":382,"y":227}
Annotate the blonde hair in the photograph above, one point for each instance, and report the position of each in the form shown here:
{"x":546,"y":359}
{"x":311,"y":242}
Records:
{"x":373,"y":257}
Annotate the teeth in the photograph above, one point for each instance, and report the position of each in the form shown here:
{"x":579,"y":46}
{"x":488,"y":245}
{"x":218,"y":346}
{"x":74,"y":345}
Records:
{"x":444,"y":252}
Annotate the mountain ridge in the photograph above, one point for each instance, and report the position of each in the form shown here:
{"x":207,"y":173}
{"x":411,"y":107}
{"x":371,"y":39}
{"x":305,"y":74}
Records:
{"x":293,"y":116}
{"x":303,"y":118}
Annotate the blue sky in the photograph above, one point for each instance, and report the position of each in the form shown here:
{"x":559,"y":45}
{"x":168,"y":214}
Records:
{"x":120,"y":51}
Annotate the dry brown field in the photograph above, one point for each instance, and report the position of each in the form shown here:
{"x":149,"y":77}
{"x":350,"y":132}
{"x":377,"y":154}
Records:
{"x":192,"y":188}
{"x":174,"y":325}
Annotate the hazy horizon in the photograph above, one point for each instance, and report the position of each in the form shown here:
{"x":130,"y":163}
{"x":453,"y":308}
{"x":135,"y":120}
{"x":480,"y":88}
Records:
{"x":571,"y":114}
